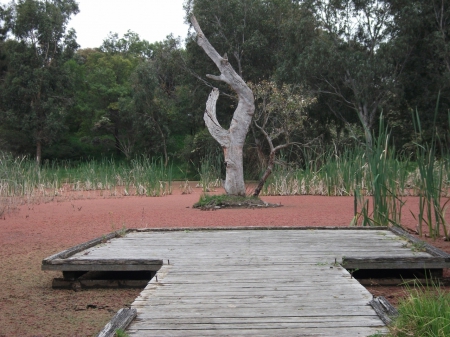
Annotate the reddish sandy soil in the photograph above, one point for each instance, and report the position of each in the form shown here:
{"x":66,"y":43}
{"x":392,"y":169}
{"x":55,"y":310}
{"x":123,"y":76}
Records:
{"x":30,"y":307}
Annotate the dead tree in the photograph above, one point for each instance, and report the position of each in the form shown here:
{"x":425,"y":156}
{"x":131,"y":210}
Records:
{"x":231,"y":140}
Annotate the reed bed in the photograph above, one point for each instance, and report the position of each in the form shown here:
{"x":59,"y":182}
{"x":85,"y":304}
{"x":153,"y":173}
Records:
{"x":210,"y":172}
{"x":378,"y":174}
{"x":347,"y":173}
{"x":21,"y":179}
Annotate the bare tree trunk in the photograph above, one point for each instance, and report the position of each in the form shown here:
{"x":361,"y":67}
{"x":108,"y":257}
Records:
{"x":266,"y":174}
{"x":259,"y":150}
{"x":365,"y":119}
{"x":231,"y":140}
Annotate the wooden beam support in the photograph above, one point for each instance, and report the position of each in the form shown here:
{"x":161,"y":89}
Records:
{"x":121,"y":320}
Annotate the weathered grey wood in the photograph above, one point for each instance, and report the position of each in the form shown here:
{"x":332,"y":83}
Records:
{"x":340,"y":322}
{"x":79,"y":248}
{"x":429,"y":248}
{"x":431,"y":262}
{"x":267,"y":332}
{"x":255,"y":282}
{"x":254,"y":228}
{"x":384,"y":309}
{"x":104,"y":265}
{"x":343,"y":319}
{"x":121,"y":320}
{"x":237,"y":280}
{"x":110,"y":261}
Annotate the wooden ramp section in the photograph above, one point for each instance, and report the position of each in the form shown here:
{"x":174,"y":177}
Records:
{"x":252,"y":282}
{"x":258,"y":282}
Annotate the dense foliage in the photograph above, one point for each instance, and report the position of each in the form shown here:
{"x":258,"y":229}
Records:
{"x":354,"y":59}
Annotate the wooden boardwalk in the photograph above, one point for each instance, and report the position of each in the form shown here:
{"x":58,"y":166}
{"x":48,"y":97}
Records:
{"x":256,"y":282}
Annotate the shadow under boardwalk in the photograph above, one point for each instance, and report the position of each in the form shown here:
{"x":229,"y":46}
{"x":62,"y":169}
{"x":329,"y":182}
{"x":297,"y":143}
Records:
{"x":258,"y":282}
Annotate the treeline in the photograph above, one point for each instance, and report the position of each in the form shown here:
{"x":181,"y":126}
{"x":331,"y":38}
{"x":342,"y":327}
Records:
{"x":351,"y":60}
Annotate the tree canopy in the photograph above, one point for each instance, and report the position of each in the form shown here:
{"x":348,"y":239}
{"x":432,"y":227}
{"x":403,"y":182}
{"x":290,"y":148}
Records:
{"x":355,"y":59}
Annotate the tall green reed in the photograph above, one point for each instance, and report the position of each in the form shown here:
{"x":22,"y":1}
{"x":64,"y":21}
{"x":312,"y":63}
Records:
{"x":384,"y":171}
{"x":210,"y":171}
{"x":433,"y":177}
{"x":20,"y":177}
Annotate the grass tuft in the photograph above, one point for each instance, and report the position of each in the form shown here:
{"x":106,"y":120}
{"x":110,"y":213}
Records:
{"x":425,"y":312}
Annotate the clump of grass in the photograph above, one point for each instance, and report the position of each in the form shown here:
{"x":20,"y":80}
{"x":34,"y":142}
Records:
{"x":120,"y":333}
{"x":424,"y":312}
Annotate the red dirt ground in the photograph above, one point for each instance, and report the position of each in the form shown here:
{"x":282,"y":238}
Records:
{"x":30,"y":307}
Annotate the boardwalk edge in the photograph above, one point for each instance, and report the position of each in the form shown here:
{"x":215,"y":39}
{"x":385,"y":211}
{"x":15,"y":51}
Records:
{"x":121,"y":320}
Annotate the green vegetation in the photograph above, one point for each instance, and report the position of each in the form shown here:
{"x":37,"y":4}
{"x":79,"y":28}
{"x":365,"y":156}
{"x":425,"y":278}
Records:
{"x":340,"y":96}
{"x":424,"y":312}
{"x":21,"y":177}
{"x":211,"y":201}
{"x":209,"y":172}
{"x":130,"y":97}
{"x":121,"y":333}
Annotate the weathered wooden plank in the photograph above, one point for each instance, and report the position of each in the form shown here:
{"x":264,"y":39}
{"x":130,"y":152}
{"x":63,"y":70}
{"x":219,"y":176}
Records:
{"x":343,"y":319}
{"x":121,"y":320}
{"x":274,"y":297}
{"x":261,"y":309}
{"x":384,"y":309}
{"x":254,"y":228}
{"x":309,"y":310}
{"x":103,"y":265}
{"x":269,"y":332}
{"x":358,"y":321}
{"x":429,"y":248}
{"x":244,"y":281}
{"x":431,"y":262}
{"x":76,"y":249}
{"x":110,"y":261}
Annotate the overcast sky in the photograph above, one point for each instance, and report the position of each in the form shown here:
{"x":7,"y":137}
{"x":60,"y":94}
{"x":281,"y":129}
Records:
{"x":153,"y":20}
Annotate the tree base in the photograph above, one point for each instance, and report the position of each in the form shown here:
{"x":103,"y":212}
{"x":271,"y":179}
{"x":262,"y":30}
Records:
{"x":216,"y":202}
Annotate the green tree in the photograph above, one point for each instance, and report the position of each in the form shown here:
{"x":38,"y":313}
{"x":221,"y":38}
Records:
{"x":128,"y":45}
{"x":37,"y":90}
{"x":423,"y":28}
{"x":100,"y":117}
{"x":151,"y":104}
{"x":3,"y":33}
{"x":280,"y":116}
{"x":350,"y":58}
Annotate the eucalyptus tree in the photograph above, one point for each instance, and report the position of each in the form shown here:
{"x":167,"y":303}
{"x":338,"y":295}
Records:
{"x":423,"y":28}
{"x":37,"y":90}
{"x":103,"y":114}
{"x":150,"y":104}
{"x":130,"y":44}
{"x":351,"y":56}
